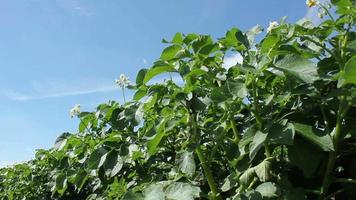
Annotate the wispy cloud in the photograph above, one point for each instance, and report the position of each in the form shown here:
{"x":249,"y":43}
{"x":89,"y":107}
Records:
{"x":232,"y":60}
{"x":13,"y":95}
{"x":77,"y":7}
{"x":45,"y":93}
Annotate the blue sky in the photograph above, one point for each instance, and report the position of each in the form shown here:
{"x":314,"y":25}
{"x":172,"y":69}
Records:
{"x":57,"y":53}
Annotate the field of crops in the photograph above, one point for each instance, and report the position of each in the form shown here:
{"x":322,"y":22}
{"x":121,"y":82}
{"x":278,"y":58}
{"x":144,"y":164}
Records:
{"x":280,"y":124}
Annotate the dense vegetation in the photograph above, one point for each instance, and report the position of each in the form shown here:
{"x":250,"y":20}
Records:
{"x":279,"y":125}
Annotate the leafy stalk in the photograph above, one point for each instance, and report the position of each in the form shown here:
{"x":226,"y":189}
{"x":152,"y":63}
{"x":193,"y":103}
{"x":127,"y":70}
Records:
{"x":207,"y":171}
{"x":234,"y":129}
{"x":256,"y":112}
{"x":336,"y":134}
{"x":345,"y":180}
{"x":208,"y":174}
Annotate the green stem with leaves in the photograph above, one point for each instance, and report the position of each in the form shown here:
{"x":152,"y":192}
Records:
{"x":335,"y":134}
{"x":234,"y":129}
{"x":207,"y":171}
{"x":345,"y":180}
{"x":208,"y":174}
{"x":256,"y":112}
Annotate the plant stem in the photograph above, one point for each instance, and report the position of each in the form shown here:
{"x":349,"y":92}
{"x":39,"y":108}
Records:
{"x":256,"y":109}
{"x":86,"y":126}
{"x":207,"y":171}
{"x":257,"y":112}
{"x":234,"y":129}
{"x":331,"y":161}
{"x":123,"y":94}
{"x":336,"y":133}
{"x":318,"y":44}
{"x":327,"y":12}
{"x":345,"y":180}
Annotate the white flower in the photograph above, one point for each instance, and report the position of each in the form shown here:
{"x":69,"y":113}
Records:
{"x":321,"y":15}
{"x":75,"y":111}
{"x":123,"y":81}
{"x":204,"y":68}
{"x":311,"y":3}
{"x":272,"y":25}
{"x":221,"y":76}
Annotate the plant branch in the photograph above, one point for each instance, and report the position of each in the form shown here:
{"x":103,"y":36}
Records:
{"x":335,"y":134}
{"x":207,"y":171}
{"x":256,"y":108}
{"x":345,"y":180}
{"x":234,"y":129}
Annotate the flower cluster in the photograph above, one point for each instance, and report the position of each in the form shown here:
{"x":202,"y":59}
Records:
{"x":75,"y":111}
{"x":123,"y":81}
{"x":311,"y":3}
{"x":272,"y":25}
{"x":322,"y":13}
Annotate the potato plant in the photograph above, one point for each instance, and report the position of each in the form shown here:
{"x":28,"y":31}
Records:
{"x":279,"y":125}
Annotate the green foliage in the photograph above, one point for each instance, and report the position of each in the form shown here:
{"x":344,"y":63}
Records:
{"x":279,"y":125}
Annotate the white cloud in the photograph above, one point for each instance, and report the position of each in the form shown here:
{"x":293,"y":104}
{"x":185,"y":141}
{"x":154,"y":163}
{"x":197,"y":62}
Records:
{"x":13,"y":95}
{"x":55,"y":91}
{"x":77,"y":7}
{"x":232,"y":60}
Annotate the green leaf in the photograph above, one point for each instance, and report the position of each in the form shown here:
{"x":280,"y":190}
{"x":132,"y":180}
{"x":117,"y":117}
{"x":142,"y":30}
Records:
{"x":269,"y":43}
{"x":140,"y":93}
{"x":263,"y":170}
{"x":182,"y":191}
{"x":298,"y":67}
{"x":141,"y":76}
{"x":304,"y":156}
{"x":178,"y":39}
{"x":281,"y":135}
{"x":247,"y":177}
{"x":154,"y":192}
{"x":235,"y":38}
{"x":61,"y":141}
{"x":200,"y":42}
{"x":237,"y":88}
{"x":79,"y":179}
{"x":97,"y":158}
{"x":352,"y":46}
{"x":268,"y":190}
{"x":349,"y":73}
{"x":294,"y":194}
{"x":61,"y":183}
{"x":186,"y":163}
{"x":170,"y":52}
{"x":113,"y":163}
{"x":251,"y":34}
{"x":257,"y":143}
{"x":157,"y":70}
{"x":153,"y":144}
{"x":132,"y":196}
{"x":315,"y":136}
{"x":229,"y":183}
